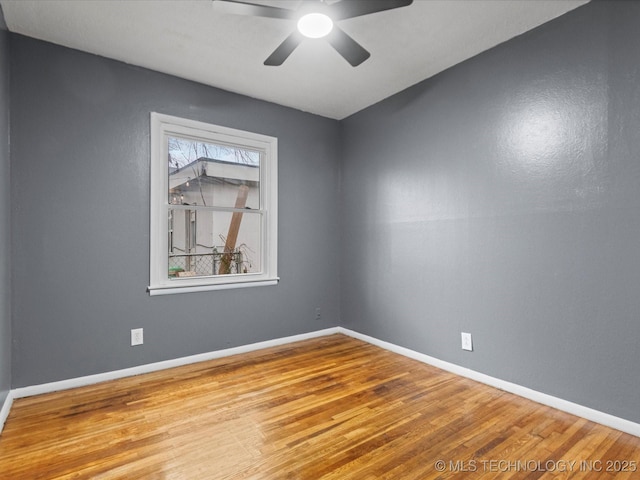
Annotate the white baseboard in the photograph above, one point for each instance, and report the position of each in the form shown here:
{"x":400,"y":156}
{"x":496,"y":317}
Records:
{"x":4,"y":411}
{"x":564,"y":405}
{"x":153,"y":367}
{"x":539,"y":397}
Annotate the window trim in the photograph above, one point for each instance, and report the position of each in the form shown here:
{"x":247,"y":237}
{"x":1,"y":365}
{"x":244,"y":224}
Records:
{"x":161,"y":126}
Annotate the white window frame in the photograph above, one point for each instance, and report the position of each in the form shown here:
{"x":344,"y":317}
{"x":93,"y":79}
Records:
{"x":163,"y":126}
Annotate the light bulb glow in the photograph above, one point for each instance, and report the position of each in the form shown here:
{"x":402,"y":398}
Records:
{"x":315,"y":25}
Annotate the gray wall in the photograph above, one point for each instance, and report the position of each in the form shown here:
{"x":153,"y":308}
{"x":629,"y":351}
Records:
{"x":502,"y":198}
{"x":499,"y":198}
{"x":5,"y":215}
{"x":80,"y":172}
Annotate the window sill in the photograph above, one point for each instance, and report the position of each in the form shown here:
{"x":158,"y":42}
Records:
{"x":171,"y":289}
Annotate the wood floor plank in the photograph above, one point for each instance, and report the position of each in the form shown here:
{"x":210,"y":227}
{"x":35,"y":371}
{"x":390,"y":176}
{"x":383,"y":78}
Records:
{"x":322,"y":409}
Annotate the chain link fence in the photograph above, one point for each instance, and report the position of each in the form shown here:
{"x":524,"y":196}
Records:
{"x":205,"y":264}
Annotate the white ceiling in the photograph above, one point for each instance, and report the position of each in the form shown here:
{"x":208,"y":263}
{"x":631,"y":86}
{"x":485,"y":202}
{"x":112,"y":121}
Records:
{"x":194,"y":40}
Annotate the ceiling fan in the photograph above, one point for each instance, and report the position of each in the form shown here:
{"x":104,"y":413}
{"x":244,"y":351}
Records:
{"x":315,"y":19}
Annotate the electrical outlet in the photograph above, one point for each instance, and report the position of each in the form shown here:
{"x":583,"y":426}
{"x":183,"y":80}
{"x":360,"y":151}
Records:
{"x":318,"y":313}
{"x":467,"y":344}
{"x":137,"y":337}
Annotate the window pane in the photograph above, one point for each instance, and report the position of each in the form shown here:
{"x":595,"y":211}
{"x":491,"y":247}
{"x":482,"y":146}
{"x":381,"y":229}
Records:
{"x":213,"y":175}
{"x":205,"y":242}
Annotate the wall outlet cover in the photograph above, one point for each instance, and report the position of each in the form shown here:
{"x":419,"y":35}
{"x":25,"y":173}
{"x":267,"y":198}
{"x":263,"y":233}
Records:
{"x":137,"y":336}
{"x":467,"y":344}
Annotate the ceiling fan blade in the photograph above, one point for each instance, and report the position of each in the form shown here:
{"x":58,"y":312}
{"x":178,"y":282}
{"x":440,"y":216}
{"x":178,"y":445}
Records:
{"x":285,"y":49}
{"x":352,"y":51}
{"x":356,"y":8}
{"x":248,"y":8}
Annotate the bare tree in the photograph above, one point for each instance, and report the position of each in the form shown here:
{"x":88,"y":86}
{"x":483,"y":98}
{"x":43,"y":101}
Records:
{"x":184,"y":151}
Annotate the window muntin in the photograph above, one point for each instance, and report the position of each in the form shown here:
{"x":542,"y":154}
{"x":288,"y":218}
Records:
{"x":213,"y":206}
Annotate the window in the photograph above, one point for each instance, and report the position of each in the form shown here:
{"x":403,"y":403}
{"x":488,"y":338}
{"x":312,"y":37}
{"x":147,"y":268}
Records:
{"x":213,"y":207}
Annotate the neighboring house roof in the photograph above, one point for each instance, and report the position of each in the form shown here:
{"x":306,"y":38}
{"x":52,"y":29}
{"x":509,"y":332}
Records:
{"x":212,"y":170}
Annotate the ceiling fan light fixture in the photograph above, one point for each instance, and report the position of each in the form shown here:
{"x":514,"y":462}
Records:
{"x":315,"y":19}
{"x":315,"y":25}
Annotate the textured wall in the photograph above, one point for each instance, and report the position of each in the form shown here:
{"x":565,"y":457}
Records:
{"x":5,"y":215}
{"x":501,"y":198}
{"x":80,"y":151}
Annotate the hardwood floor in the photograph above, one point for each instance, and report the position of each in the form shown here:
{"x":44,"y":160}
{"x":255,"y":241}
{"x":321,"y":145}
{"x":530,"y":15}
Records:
{"x":328,"y":408}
